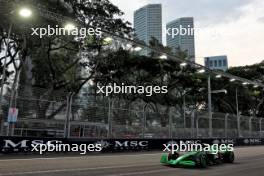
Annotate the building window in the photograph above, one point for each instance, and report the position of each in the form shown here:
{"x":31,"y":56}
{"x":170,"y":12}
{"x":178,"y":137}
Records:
{"x":215,"y":63}
{"x":220,"y":63}
{"x":211,"y":63}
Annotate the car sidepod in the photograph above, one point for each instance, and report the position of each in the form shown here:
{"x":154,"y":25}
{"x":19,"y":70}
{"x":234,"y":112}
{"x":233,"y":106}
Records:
{"x":190,"y":159}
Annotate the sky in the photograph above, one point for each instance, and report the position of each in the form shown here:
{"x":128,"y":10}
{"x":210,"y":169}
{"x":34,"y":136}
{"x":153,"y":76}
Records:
{"x":226,"y":27}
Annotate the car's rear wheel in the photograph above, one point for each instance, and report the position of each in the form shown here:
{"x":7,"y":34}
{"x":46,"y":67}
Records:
{"x":229,"y":157}
{"x":219,"y":159}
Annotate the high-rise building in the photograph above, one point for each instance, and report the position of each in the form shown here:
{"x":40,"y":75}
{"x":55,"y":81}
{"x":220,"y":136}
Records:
{"x":180,"y":34}
{"x":216,"y":62}
{"x":148,"y":23}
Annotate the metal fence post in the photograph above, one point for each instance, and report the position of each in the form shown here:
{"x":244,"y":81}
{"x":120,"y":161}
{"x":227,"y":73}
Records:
{"x":144,"y":125}
{"x":170,"y":124}
{"x":66,"y":118}
{"x":226,"y":124}
{"x":238,"y":125}
{"x":250,"y":126}
{"x":197,"y":126}
{"x":260,"y":127}
{"x":68,"y":111}
{"x":184,"y":114}
{"x":109,"y":134}
{"x":83,"y":135}
{"x":192,"y":123}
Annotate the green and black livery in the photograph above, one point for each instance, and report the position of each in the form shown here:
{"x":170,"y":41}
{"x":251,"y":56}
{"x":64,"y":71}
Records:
{"x":199,"y":159}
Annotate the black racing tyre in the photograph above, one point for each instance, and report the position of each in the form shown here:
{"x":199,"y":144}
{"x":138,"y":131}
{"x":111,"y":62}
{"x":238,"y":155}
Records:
{"x":219,"y":159}
{"x":229,"y":157}
{"x":201,"y":161}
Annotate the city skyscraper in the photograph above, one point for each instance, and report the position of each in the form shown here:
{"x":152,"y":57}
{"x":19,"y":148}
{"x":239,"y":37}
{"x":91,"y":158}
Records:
{"x":148,"y":23}
{"x":180,"y":34}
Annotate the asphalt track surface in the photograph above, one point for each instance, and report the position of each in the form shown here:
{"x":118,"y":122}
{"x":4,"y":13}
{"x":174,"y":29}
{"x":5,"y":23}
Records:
{"x":249,"y":162}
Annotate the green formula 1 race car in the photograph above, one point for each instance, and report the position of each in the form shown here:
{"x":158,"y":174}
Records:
{"x":199,"y":159}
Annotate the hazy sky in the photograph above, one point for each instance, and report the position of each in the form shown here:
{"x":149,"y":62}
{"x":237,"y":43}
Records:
{"x":226,"y":27}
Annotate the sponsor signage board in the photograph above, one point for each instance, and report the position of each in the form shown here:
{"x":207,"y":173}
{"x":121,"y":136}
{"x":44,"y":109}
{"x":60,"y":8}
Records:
{"x":24,"y":144}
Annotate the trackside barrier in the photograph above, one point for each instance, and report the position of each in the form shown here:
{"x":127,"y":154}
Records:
{"x":24,"y":144}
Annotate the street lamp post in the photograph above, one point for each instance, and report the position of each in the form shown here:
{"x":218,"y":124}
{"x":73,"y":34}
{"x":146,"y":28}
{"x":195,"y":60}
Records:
{"x":238,"y":115}
{"x":210,"y":107}
{"x":210,"y":114}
